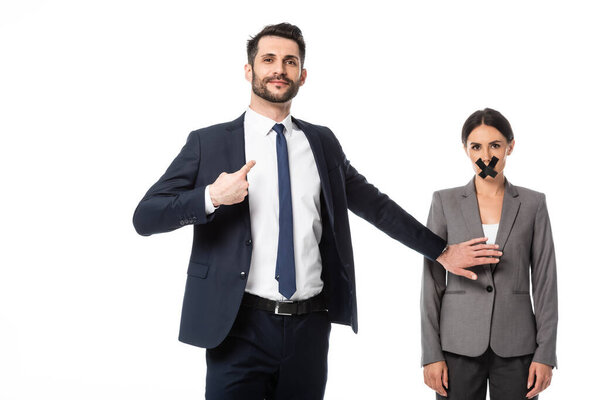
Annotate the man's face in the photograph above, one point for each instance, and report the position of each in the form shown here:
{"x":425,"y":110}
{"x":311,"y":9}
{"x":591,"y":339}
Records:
{"x":276,"y":75}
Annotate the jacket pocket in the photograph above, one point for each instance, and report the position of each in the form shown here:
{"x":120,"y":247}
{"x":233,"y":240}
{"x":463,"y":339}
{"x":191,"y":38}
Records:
{"x":198,"y":270}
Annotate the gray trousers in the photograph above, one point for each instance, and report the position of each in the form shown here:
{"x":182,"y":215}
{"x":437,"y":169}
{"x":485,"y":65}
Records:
{"x":468,"y":376}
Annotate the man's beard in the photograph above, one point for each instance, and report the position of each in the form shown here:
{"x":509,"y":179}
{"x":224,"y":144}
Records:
{"x":260,"y":89}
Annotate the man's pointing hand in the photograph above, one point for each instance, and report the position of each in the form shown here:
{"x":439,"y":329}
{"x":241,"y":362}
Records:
{"x":230,"y":188}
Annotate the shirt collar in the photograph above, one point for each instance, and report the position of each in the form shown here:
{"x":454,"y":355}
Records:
{"x":260,"y":124}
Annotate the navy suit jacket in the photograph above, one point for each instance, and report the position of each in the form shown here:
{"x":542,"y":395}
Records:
{"x":222,"y":245}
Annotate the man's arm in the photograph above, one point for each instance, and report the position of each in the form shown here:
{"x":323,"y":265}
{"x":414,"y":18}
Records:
{"x":366,"y":201}
{"x":174,"y":201}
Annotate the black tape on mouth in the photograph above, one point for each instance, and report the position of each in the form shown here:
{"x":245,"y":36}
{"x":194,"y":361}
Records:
{"x":487,"y":169}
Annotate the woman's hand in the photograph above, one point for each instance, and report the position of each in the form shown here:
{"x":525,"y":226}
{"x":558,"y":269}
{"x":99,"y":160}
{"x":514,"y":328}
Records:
{"x":436,"y":377}
{"x":542,"y":375}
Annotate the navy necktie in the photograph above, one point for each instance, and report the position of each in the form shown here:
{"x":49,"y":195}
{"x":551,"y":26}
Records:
{"x":285,"y":269}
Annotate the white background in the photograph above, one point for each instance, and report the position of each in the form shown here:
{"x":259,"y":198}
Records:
{"x":97,"y":97}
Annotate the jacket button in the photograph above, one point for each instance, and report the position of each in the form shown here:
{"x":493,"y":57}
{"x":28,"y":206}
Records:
{"x":182,"y":222}
{"x":242,"y":275}
{"x":489,"y":289}
{"x":248,"y":242}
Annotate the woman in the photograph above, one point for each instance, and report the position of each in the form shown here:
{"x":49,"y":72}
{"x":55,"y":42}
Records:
{"x":473,"y":331}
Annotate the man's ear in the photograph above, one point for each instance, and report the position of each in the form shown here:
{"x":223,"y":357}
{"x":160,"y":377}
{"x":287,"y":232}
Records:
{"x":302,"y":76}
{"x":248,"y":72}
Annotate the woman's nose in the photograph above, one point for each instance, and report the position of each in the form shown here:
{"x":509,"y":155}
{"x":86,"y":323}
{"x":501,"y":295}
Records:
{"x":486,"y":155}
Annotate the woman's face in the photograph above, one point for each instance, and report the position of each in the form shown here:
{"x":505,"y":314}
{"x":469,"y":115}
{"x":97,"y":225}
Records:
{"x":486,"y":142}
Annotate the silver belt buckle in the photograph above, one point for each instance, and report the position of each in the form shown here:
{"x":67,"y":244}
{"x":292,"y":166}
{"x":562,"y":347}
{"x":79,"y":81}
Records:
{"x":277,"y":307}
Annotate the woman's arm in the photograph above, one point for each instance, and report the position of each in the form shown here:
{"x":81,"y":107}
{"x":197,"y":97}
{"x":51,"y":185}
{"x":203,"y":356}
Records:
{"x":432,"y":290}
{"x":435,"y":371}
{"x":545,"y":302}
{"x":543,"y":280}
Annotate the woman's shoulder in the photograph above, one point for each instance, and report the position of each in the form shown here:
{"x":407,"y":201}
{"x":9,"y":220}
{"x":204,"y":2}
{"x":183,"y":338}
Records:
{"x":526,"y":194}
{"x":449,"y":192}
{"x":448,"y":197}
{"x":458,"y":191}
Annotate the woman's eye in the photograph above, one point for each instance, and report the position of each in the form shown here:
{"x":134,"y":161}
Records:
{"x":495,"y":146}
{"x":475,"y":147}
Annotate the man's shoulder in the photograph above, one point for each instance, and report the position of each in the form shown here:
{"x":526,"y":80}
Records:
{"x":220,"y":127}
{"x":321,"y":129}
{"x":322,"y":132}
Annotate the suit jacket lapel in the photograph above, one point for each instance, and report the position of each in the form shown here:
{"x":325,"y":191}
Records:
{"x":317,"y":149}
{"x":235,"y":146}
{"x":510,"y":209}
{"x":470,"y":211}
{"x":236,"y":155}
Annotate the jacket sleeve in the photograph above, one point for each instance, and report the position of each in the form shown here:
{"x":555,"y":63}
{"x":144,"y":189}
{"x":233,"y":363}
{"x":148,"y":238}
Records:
{"x":366,"y":201}
{"x":544,"y":287}
{"x":174,"y":201}
{"x":433,"y":286}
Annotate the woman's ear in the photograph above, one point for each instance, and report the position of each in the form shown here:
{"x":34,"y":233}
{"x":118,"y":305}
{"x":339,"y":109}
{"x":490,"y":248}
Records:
{"x":511,"y":147}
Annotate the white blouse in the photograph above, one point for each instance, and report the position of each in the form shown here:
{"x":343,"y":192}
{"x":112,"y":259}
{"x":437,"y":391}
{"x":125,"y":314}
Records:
{"x":490,"y":231}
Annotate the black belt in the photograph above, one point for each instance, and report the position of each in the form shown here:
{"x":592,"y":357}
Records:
{"x":285,"y":307}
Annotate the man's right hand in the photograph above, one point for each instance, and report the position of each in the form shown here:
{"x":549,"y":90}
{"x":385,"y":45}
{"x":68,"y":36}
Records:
{"x":436,"y":377}
{"x":467,"y":254}
{"x":230,"y":188}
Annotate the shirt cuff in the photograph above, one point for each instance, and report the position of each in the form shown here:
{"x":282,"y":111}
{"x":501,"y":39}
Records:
{"x":209,"y":208}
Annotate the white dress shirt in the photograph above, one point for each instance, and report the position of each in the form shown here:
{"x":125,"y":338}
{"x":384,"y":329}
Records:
{"x":263,"y":199}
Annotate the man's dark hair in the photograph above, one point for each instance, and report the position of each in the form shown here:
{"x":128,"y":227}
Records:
{"x":284,"y":30}
{"x":487,"y":117}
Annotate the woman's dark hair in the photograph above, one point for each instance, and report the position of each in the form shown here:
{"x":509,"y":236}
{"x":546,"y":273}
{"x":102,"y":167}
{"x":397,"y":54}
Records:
{"x":487,"y":117}
{"x":284,"y":30}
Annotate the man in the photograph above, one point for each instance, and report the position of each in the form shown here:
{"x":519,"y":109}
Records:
{"x":271,"y":264}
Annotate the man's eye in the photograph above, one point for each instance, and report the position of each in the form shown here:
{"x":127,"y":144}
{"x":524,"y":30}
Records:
{"x":291,"y":62}
{"x":495,"y":146}
{"x":267,"y":59}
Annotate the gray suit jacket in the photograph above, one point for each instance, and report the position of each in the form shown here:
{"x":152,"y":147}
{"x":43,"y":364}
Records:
{"x":462,"y":316}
